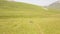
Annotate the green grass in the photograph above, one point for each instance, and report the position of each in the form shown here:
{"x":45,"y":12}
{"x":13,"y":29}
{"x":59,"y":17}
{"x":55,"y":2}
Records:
{"x":22,"y":18}
{"x":30,"y":26}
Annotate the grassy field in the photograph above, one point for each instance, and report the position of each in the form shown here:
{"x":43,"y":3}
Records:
{"x":30,"y":25}
{"x":40,"y":23}
{"x":21,"y":18}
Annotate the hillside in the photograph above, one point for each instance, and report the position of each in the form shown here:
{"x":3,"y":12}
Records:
{"x":17,"y":8}
{"x":22,"y":18}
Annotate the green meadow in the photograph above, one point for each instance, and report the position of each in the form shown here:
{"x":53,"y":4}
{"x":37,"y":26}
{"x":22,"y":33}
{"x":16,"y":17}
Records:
{"x":22,"y":18}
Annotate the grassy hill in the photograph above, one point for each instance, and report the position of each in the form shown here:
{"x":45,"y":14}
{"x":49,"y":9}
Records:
{"x":17,"y":9}
{"x":22,"y":18}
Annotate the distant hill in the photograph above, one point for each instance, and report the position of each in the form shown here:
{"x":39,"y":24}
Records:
{"x":55,"y":5}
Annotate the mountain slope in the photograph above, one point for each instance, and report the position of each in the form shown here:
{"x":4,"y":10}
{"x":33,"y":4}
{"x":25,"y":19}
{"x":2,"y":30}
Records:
{"x":55,"y":5}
